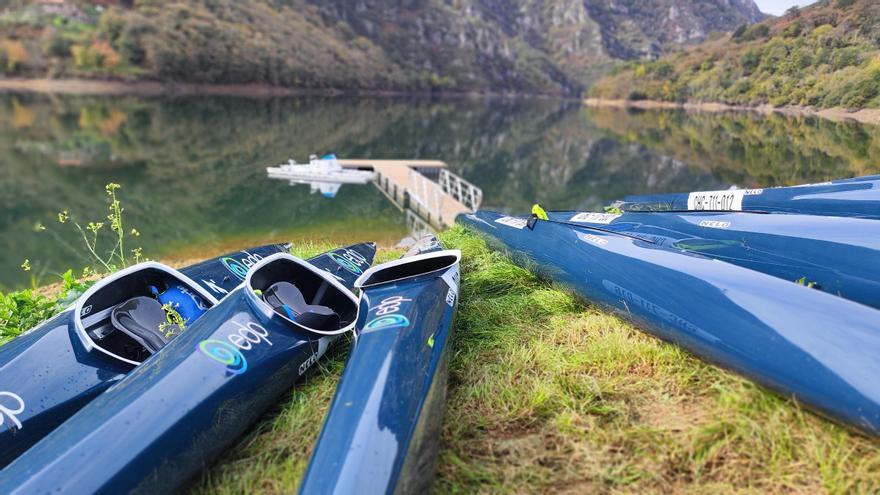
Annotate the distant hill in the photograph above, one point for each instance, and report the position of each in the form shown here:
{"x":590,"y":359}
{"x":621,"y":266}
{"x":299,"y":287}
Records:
{"x":539,"y":46}
{"x":826,"y":55}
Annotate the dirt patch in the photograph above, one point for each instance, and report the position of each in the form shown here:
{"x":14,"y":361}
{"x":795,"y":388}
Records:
{"x":671,"y":414}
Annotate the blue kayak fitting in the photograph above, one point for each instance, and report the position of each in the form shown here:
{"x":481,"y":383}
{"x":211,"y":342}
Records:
{"x":837,"y":255}
{"x":51,"y":371}
{"x":181,"y":407}
{"x":858,"y":197}
{"x":382,"y":432}
{"x":821,"y":349}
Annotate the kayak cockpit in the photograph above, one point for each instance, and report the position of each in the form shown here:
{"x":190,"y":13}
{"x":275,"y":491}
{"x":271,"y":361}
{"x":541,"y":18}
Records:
{"x":302,"y":295}
{"x":135,"y":312}
{"x":408,"y":267}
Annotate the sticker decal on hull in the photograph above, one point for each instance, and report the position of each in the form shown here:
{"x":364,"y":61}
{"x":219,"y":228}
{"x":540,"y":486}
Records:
{"x":350,"y":259}
{"x":240,"y":267}
{"x":11,"y":405}
{"x":386,"y":314}
{"x":730,"y":200}
{"x":714,"y":224}
{"x":593,"y":217}
{"x":517,"y":223}
{"x":228,"y":353}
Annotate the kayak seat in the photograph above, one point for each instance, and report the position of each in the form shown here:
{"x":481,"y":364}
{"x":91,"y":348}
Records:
{"x":288,"y":301}
{"x":140,"y":318}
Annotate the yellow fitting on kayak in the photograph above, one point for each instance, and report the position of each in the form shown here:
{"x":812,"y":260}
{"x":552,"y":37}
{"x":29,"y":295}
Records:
{"x":539,"y":212}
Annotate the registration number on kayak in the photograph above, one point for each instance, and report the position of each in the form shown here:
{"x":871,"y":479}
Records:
{"x":716,"y":200}
{"x":730,"y":200}
{"x":517,"y":223}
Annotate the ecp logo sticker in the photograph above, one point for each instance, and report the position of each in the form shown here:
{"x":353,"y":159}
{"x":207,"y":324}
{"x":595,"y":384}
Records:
{"x":225,"y":354}
{"x":239,"y":268}
{"x":235,"y":266}
{"x":390,"y":321}
{"x":350,"y":260}
{"x":386,"y":314}
{"x":228,"y":353}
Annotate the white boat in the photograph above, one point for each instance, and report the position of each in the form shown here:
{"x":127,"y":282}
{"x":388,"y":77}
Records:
{"x":327,"y":189}
{"x":322,"y":170}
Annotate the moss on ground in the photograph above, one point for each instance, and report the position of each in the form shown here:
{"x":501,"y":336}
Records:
{"x":550,"y":395}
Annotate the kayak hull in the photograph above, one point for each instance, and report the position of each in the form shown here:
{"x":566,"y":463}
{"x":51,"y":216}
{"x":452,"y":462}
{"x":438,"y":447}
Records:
{"x":837,"y":255}
{"x":160,"y":424}
{"x":382,"y":431}
{"x":801,"y":342}
{"x":859,"y":197}
{"x":48,"y":373}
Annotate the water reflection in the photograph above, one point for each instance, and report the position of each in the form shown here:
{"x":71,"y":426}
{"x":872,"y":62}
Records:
{"x":193,"y":179}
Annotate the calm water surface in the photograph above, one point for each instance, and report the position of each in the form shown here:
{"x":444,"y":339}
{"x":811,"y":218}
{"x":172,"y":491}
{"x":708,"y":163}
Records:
{"x":192,"y":169}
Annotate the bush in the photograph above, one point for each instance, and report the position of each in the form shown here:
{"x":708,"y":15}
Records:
{"x":58,"y":45}
{"x":750,"y":61}
{"x":845,"y":57}
{"x":98,"y":55}
{"x":752,"y":33}
{"x":16,"y":54}
{"x":22,"y":310}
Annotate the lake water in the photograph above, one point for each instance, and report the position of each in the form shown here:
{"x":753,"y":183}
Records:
{"x":192,"y":169}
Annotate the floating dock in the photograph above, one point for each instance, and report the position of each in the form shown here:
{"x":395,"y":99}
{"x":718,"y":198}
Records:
{"x":409,"y":185}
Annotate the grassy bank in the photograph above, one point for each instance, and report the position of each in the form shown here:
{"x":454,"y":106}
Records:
{"x":548,"y":394}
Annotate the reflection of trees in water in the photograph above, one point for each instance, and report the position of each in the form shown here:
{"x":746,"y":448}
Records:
{"x":520,"y":152}
{"x":192,"y":168}
{"x":751,"y":149}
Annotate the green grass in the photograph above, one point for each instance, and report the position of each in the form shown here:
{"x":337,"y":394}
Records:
{"x":550,"y":395}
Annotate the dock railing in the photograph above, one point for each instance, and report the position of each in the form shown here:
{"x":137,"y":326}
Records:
{"x":461,"y":190}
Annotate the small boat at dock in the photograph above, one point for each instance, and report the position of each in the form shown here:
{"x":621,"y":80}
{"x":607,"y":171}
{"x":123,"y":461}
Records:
{"x":320,"y":170}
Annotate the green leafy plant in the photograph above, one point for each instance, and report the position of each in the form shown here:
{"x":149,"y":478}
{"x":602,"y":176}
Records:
{"x":803,"y":281}
{"x":174,"y":323}
{"x":116,"y":257}
{"x":71,"y":289}
{"x":21,"y":310}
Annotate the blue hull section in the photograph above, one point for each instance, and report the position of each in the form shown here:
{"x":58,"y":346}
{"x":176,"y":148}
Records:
{"x":47,"y":374}
{"x":222,"y":274}
{"x":383,"y":428}
{"x":859,"y":197}
{"x":837,"y":255}
{"x":801,"y":342}
{"x":175,"y":412}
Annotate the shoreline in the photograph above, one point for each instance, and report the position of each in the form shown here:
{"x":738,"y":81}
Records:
{"x":97,"y":87}
{"x":864,"y":116}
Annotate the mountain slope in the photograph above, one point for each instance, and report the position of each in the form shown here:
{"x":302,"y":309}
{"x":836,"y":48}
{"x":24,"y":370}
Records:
{"x":538,"y":46}
{"x":826,"y":55}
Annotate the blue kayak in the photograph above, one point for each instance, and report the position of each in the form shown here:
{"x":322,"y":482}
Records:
{"x":858,"y":197}
{"x":51,"y":371}
{"x":818,"y":348}
{"x":160,"y":424}
{"x":838,"y":255}
{"x":382,"y":432}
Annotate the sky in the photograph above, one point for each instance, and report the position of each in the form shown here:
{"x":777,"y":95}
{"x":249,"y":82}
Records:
{"x":778,"y":7}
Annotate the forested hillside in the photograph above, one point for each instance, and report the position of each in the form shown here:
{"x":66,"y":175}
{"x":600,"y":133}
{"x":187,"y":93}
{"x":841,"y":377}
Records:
{"x":537,"y":46}
{"x":826,"y":55}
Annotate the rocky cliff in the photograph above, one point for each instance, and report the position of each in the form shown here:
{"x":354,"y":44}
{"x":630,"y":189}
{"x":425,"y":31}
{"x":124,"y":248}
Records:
{"x":549,"y":46}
